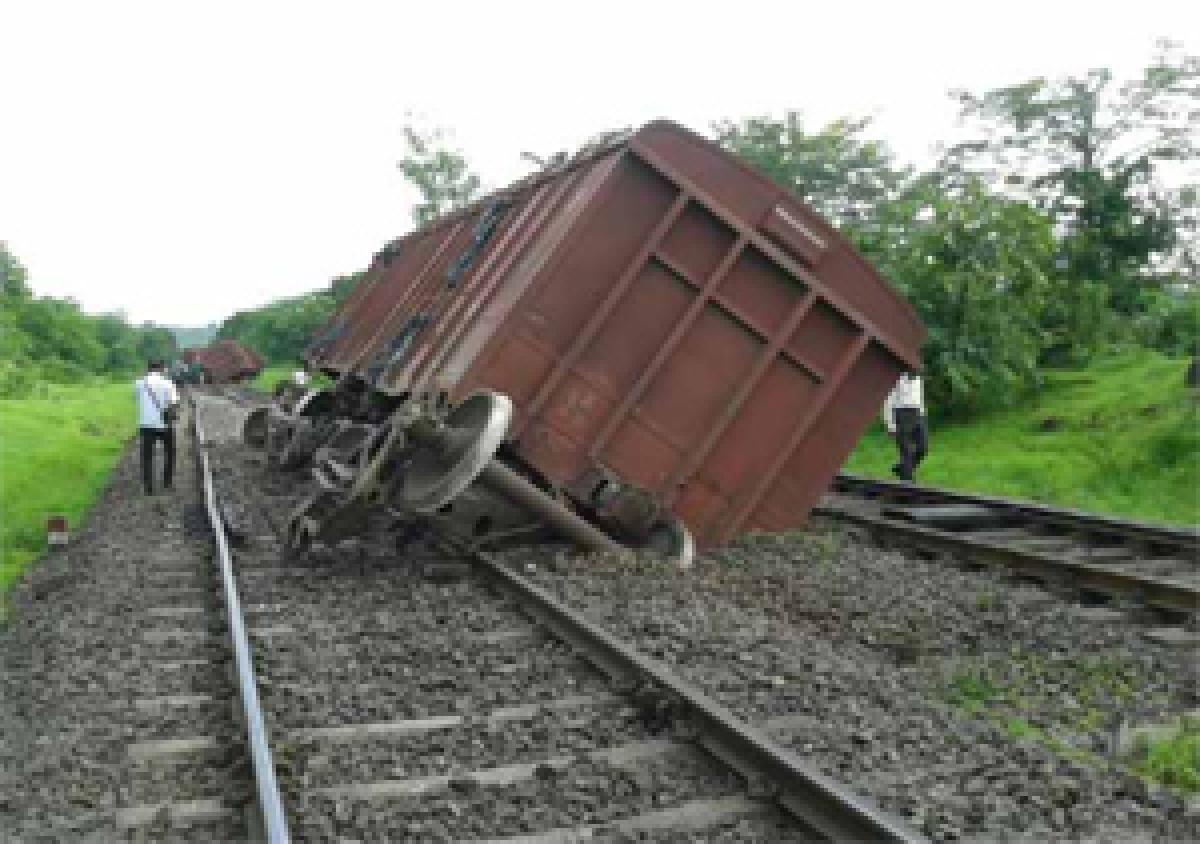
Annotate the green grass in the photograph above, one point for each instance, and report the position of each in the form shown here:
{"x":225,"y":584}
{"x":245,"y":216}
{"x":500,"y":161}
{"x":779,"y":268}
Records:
{"x":1173,"y":760}
{"x":1126,"y":441}
{"x":272,"y":375}
{"x":1020,"y":729}
{"x":1056,"y":700}
{"x":972,"y":690}
{"x":56,"y":452}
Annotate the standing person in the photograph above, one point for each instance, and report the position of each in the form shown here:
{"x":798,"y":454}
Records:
{"x":904,"y":415}
{"x":156,"y":400}
{"x":300,"y":376}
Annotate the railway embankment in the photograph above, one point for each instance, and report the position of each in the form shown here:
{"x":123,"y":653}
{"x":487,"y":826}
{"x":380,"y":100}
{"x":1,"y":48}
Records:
{"x":1119,"y":436}
{"x":58,"y":447}
{"x":115,"y":710}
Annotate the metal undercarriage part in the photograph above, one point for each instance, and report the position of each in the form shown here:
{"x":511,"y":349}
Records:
{"x":441,"y":466}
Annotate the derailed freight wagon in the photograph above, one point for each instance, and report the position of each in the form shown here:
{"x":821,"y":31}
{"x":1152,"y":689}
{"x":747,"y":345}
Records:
{"x":659,"y":342}
{"x":225,"y":361}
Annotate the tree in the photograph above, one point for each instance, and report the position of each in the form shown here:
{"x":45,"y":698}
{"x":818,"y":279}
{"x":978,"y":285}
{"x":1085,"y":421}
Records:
{"x":1092,"y":155}
{"x":47,"y":339}
{"x":12,"y":275}
{"x":343,"y":285}
{"x":155,"y":342}
{"x":119,"y":344}
{"x":281,"y":330}
{"x":974,"y":265}
{"x":843,"y":175}
{"x":439,"y":173}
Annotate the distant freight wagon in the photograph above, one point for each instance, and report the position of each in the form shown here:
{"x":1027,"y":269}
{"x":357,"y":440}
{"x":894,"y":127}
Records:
{"x":650,"y":342}
{"x":224,"y":362}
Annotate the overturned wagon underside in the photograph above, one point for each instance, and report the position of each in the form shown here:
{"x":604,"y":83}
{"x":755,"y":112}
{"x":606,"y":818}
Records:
{"x":671,"y":345}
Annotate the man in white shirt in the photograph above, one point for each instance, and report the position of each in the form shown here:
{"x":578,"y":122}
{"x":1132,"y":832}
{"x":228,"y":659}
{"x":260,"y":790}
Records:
{"x":904,"y":416}
{"x":155,"y":393}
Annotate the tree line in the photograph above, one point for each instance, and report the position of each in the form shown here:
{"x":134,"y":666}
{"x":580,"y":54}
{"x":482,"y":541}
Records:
{"x":1053,"y":230}
{"x":44,"y":339}
{"x":280,"y":330}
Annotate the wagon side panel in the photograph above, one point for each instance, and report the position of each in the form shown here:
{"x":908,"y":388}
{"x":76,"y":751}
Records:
{"x":517,"y":338}
{"x":460,"y":353}
{"x":679,"y":346}
{"x":396,"y":281}
{"x":822,"y":453}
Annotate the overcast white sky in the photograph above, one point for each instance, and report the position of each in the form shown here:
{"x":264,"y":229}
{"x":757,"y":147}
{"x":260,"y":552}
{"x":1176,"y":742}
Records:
{"x":182,"y":161}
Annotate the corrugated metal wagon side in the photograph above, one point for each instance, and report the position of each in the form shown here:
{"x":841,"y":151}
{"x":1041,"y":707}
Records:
{"x":675,"y":333}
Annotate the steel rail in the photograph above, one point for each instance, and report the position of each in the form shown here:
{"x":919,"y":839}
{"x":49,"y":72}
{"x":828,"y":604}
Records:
{"x":821,"y":803}
{"x":1181,"y":538}
{"x":269,"y":801}
{"x":1155,"y":591}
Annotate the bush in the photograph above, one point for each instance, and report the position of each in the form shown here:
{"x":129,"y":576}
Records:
{"x":46,"y":339}
{"x":1078,"y":322}
{"x":974,"y":267}
{"x":17,"y":378}
{"x":1169,"y":323}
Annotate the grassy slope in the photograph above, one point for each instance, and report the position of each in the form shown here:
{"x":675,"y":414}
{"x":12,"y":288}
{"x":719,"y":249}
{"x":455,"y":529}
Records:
{"x":1128,"y":443}
{"x":56,"y":452}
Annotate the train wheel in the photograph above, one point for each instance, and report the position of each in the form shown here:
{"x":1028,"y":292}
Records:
{"x":673,"y":540}
{"x":447,"y":458}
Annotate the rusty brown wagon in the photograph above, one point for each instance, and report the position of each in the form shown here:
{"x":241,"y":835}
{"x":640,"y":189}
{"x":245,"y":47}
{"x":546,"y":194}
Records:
{"x":648,"y":340}
{"x":225,"y":361}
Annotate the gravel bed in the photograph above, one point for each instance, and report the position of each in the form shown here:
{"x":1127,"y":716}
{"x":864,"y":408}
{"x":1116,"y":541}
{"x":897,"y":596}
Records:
{"x":373,"y":640}
{"x":318,"y":702}
{"x":420,"y":606}
{"x":77,"y":666}
{"x":442,"y":680}
{"x":439,"y":752}
{"x":106,"y":730}
{"x":972,"y":706}
{"x":107,"y":680}
{"x":750,"y":830}
{"x":587,"y":792}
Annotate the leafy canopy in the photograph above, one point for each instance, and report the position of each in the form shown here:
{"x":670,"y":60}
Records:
{"x":1092,"y":154}
{"x":438,"y":172}
{"x":974,"y":265}
{"x":836,"y":170}
{"x":43,"y":339}
{"x":281,"y":330}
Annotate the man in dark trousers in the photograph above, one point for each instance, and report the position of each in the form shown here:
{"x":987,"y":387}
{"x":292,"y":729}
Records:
{"x":154,"y":394}
{"x":904,"y":415}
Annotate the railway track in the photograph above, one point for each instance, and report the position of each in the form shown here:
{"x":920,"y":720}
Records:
{"x":440,"y":695}
{"x":1099,"y":560}
{"x":129,"y":731}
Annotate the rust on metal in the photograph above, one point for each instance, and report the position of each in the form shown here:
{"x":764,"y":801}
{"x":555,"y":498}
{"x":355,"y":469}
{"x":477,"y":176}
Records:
{"x":658,"y":313}
{"x":225,"y":361}
{"x":600,"y":316}
{"x":673,"y":339}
